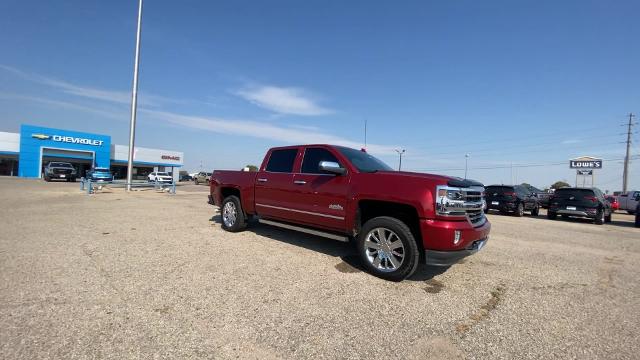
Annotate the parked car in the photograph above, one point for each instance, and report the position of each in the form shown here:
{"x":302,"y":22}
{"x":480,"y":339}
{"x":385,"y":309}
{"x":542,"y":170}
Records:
{"x":580,"y":202}
{"x":615,"y":205}
{"x":161,"y":177}
{"x":99,"y":174}
{"x":60,"y":170}
{"x":202,"y":177}
{"x":396,"y":219}
{"x":514,"y":199}
{"x":629,"y":201}
{"x":185,"y":177}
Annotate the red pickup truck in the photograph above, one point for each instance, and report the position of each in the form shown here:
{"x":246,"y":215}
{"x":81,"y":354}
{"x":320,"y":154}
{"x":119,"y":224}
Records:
{"x":396,"y":219}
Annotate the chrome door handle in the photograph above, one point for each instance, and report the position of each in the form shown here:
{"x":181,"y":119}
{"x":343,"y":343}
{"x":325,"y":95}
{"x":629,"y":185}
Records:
{"x":299,"y":182}
{"x":262,"y":180}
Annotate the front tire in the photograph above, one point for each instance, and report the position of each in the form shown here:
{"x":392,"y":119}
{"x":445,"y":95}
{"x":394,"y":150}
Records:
{"x":233,"y":217}
{"x":551,"y":215}
{"x":196,"y":181}
{"x":388,"y":249}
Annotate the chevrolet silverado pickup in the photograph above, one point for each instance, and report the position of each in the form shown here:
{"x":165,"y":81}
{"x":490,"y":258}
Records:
{"x":396,"y":219}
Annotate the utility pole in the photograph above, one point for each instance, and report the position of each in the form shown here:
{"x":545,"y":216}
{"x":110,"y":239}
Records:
{"x":134,"y":101}
{"x":625,"y":174}
{"x":365,"y":134}
{"x":400,"y":152}
{"x":466,"y":162}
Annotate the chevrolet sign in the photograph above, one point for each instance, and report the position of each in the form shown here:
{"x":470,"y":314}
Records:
{"x":68,"y":139}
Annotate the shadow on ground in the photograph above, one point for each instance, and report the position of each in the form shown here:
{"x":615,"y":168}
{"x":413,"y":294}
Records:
{"x":351,"y":262}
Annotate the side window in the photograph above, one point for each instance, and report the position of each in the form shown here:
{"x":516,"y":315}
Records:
{"x":282,"y":160}
{"x":312,"y":159}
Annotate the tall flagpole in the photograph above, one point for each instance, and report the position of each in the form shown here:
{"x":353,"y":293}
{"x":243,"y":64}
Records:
{"x":134,"y":101}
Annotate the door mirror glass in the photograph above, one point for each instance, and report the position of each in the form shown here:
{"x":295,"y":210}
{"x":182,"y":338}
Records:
{"x":331,"y":167}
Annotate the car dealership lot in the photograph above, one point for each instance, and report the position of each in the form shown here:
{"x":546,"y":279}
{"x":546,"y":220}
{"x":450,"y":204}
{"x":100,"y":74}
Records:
{"x":149,"y":274}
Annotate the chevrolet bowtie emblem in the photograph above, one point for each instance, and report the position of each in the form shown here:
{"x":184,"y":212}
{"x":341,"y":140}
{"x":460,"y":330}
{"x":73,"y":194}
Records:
{"x":40,"y":136}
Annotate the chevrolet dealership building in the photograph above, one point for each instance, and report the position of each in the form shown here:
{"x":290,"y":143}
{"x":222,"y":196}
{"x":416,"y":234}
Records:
{"x":26,"y":153}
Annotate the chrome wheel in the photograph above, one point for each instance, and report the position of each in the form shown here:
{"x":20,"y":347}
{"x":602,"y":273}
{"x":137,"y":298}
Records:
{"x":384,"y":249}
{"x":229,"y":214}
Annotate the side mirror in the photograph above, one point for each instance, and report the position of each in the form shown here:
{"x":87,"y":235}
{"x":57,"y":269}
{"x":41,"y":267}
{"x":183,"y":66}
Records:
{"x":331,"y":167}
{"x":637,"y":197}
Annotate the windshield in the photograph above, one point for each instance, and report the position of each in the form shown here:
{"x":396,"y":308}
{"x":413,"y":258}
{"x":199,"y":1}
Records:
{"x":60,"y":164}
{"x":162,"y":174}
{"x":363,"y":161}
{"x":101,"y":169}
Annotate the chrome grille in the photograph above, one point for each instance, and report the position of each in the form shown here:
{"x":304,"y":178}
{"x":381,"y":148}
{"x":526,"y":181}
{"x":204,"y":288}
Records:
{"x":461,"y":202}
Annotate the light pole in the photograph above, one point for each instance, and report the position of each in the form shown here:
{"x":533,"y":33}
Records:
{"x":134,"y":101}
{"x":400,"y":152}
{"x":466,"y":162}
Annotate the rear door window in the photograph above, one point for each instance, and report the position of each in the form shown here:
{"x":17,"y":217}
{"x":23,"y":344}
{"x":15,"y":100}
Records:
{"x":282,"y":160}
{"x":312,"y":159}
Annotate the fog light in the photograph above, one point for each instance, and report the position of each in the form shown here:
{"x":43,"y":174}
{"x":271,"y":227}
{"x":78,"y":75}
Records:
{"x":456,"y":237}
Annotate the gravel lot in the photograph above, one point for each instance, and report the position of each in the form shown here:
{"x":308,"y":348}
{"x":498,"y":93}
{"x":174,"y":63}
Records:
{"x":151,"y":275}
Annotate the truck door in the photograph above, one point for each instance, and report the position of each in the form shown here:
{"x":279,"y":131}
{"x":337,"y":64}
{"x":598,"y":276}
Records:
{"x":274,"y":184}
{"x":320,"y":197}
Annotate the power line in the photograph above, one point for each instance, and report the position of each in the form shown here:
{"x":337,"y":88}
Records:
{"x":507,"y":166}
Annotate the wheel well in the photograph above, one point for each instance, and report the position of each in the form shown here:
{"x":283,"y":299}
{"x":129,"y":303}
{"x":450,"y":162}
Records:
{"x":369,"y":209}
{"x":228,"y":191}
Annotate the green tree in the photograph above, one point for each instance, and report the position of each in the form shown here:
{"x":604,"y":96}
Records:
{"x":559,"y":184}
{"x":252,"y":167}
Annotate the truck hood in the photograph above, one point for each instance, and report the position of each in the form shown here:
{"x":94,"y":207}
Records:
{"x":449,"y":180}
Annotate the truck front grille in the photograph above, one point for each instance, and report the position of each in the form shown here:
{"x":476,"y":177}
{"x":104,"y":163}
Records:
{"x":462,"y":202}
{"x":62,"y":171}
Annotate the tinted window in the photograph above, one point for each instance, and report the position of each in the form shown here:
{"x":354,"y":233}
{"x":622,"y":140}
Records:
{"x":282,"y":160}
{"x":490,"y":190}
{"x":566,"y":193}
{"x":312,"y":159}
{"x":363,"y":161}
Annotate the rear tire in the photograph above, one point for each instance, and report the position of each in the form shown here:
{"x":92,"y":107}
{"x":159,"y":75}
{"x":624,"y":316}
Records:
{"x":551,"y":215}
{"x":233,"y":217}
{"x":386,"y":258}
{"x":600,"y":219}
{"x":607,"y":218}
{"x":535,"y":211}
{"x":638,"y":220}
{"x":519,"y":210}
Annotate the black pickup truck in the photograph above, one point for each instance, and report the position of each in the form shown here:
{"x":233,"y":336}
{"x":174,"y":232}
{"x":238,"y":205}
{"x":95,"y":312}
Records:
{"x":60,"y":170}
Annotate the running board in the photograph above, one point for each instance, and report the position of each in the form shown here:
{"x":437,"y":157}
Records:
{"x":305,"y":230}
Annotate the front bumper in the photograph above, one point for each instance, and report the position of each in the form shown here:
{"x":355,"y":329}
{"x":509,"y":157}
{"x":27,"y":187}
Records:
{"x":438,"y":240}
{"x":62,"y":176}
{"x":448,"y":258}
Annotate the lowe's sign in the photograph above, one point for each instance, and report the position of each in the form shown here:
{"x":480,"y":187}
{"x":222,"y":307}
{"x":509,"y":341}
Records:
{"x":69,"y":139}
{"x":585,"y":162}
